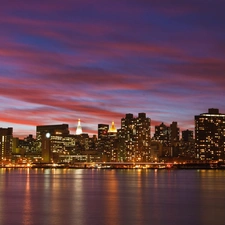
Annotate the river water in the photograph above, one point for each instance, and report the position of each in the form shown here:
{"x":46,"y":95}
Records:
{"x":111,"y":197}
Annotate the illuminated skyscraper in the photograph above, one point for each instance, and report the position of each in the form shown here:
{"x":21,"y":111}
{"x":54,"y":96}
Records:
{"x":210,"y":135}
{"x":134,"y":138}
{"x":107,"y":142}
{"x":6,"y":136}
{"x":79,"y":129}
{"x":113,"y":143}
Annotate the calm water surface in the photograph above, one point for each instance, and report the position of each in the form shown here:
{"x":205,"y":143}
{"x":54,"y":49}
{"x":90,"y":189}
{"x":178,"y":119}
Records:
{"x":111,"y":197}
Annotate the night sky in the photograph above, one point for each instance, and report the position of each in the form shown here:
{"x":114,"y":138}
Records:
{"x":61,"y":60}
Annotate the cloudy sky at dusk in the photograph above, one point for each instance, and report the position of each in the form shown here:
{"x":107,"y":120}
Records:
{"x":97,"y":60}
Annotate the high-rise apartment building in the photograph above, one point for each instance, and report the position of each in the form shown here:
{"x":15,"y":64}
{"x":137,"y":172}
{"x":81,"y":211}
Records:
{"x":134,"y":138}
{"x":6,"y":137}
{"x":162,"y":134}
{"x":107,"y":142}
{"x":210,"y":135}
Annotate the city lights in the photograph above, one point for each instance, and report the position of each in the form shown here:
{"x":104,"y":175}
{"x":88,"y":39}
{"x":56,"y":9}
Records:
{"x":130,"y":146}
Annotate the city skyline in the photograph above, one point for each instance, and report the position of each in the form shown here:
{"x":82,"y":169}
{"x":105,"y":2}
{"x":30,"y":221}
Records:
{"x":98,"y":61}
{"x":78,"y":129}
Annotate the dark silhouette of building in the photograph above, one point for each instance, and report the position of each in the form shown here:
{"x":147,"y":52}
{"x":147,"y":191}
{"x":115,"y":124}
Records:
{"x":169,"y":137}
{"x":174,"y":139}
{"x":187,"y":145}
{"x":187,"y":135}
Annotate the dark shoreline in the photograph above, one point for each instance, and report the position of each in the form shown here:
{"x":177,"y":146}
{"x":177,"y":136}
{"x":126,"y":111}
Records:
{"x":110,"y":168}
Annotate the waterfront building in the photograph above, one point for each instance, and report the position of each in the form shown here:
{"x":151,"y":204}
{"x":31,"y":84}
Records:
{"x":113,"y":143}
{"x":25,"y":150}
{"x":107,"y":142}
{"x":134,"y":138}
{"x":49,"y":139}
{"x":210,"y":135}
{"x":6,"y":137}
{"x":28,"y":144}
{"x":59,"y":146}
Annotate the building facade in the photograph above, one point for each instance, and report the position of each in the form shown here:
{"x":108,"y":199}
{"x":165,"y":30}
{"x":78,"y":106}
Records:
{"x":210,"y":135}
{"x":49,"y":140}
{"x":134,"y":138}
{"x":108,"y":142}
{"x":6,"y":138}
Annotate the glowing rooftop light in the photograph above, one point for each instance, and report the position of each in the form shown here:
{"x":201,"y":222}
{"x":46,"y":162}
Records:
{"x":79,"y":129}
{"x":113,"y":129}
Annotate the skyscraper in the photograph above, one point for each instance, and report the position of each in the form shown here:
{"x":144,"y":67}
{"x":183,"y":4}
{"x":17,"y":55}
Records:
{"x":134,"y":138}
{"x":113,"y":142}
{"x":210,"y":135}
{"x":107,"y":142}
{"x":6,"y":136}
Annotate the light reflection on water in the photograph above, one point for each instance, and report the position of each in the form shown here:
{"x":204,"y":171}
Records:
{"x":111,"y":197}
